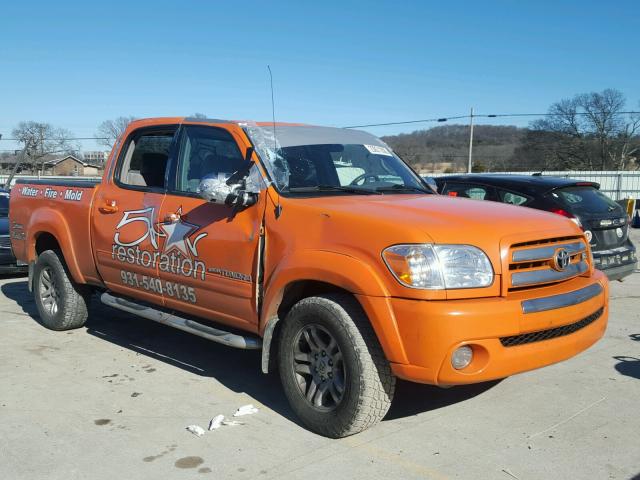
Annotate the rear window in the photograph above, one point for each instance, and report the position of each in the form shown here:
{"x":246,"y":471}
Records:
{"x":585,"y":200}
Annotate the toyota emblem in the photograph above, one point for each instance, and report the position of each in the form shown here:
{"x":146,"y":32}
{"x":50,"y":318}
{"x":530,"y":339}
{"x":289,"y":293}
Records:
{"x":561,"y":259}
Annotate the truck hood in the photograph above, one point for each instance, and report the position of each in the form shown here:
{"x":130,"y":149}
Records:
{"x":381,"y":221}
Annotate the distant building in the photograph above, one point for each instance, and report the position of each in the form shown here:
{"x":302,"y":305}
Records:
{"x":71,"y":166}
{"x":96,"y":157}
{"x":7,"y":162}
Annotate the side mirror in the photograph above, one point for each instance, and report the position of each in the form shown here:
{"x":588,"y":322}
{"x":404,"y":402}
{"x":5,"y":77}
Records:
{"x":217,"y":190}
{"x":232,"y":190}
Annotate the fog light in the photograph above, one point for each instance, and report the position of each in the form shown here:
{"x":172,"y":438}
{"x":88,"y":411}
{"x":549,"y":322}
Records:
{"x":462,"y":357}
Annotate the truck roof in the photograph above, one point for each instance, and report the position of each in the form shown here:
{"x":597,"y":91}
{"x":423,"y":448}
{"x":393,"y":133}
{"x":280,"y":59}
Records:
{"x":159,"y":120}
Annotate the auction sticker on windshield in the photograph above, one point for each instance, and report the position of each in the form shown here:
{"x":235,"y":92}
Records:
{"x":378,"y":150}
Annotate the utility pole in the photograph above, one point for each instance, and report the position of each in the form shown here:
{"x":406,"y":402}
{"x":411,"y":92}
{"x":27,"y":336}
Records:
{"x":470,"y":141}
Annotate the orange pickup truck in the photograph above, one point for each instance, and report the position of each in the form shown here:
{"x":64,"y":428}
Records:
{"x":319,"y":246}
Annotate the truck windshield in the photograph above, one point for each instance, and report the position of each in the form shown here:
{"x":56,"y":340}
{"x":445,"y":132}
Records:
{"x":323,"y":160}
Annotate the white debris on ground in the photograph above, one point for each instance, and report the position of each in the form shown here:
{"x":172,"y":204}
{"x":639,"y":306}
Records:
{"x":245,"y":410}
{"x":215,"y":422}
{"x":196,"y":430}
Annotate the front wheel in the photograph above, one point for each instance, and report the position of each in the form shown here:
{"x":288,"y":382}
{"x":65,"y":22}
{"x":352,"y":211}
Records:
{"x":333,"y":369}
{"x":61,"y":303}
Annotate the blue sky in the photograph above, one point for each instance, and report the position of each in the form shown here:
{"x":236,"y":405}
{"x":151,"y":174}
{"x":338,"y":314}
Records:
{"x":74,"y":64}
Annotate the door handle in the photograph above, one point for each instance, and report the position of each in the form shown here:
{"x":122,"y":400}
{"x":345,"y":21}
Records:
{"x":172,"y":217}
{"x":109,"y":207}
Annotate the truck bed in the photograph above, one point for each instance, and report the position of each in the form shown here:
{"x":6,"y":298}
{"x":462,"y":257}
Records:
{"x":42,"y":211}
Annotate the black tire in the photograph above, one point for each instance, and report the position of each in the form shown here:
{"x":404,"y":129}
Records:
{"x":61,"y":303}
{"x":354,"y":387}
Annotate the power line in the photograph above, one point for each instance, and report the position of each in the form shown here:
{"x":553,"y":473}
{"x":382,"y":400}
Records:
{"x":441,"y":119}
{"x":545,"y":114}
{"x":483,"y":115}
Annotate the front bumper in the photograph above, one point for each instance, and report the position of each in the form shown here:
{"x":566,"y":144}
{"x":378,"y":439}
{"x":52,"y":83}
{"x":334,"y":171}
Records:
{"x":616,"y":263}
{"x":431,"y":331}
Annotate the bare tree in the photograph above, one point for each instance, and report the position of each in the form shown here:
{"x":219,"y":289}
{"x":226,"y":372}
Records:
{"x":588,"y":131}
{"x":110,"y":130}
{"x":41,"y":141}
{"x":625,"y":148}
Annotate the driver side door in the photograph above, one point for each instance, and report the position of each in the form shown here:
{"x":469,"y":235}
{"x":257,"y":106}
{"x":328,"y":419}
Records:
{"x":211,"y":248}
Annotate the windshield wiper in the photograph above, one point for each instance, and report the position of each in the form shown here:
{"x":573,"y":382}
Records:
{"x":333,"y":188}
{"x":403,"y":188}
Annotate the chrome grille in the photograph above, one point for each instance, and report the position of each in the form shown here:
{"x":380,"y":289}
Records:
{"x":547,"y":275}
{"x":536,"y":263}
{"x":546,"y":252}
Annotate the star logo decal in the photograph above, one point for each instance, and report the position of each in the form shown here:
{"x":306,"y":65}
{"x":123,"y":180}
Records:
{"x":178,"y":233}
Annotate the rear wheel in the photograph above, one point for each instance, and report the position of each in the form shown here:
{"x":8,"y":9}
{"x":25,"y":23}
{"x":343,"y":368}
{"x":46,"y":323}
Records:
{"x":333,"y":370}
{"x":61,"y":303}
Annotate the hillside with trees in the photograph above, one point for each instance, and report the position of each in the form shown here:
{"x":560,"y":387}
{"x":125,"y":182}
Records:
{"x":446,"y":147}
{"x":591,"y":131}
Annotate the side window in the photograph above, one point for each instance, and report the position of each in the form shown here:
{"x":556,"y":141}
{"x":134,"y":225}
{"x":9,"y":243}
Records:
{"x":512,"y":198}
{"x":206,"y":152}
{"x":477,"y":192}
{"x":145,"y":160}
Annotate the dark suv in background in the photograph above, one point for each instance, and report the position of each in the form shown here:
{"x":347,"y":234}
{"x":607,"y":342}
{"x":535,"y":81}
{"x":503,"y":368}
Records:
{"x":8,"y":262}
{"x":604,"y":222}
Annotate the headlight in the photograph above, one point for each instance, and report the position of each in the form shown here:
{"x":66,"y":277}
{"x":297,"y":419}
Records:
{"x":437,"y":267}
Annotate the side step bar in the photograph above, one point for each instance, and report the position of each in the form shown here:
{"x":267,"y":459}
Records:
{"x":196,"y":328}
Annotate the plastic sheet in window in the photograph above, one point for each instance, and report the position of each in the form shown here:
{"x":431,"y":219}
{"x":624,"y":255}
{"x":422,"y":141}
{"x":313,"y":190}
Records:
{"x":266,"y":146}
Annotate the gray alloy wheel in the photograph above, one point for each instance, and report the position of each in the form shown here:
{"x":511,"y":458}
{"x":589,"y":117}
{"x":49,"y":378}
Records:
{"x":61,"y":303}
{"x":48,"y":291}
{"x":319,"y":368}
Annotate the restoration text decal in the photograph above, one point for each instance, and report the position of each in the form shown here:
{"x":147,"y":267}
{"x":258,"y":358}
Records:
{"x":173,"y":249}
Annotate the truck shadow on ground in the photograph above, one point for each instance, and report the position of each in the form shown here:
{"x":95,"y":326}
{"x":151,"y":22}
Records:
{"x":238,"y":370}
{"x":628,"y":366}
